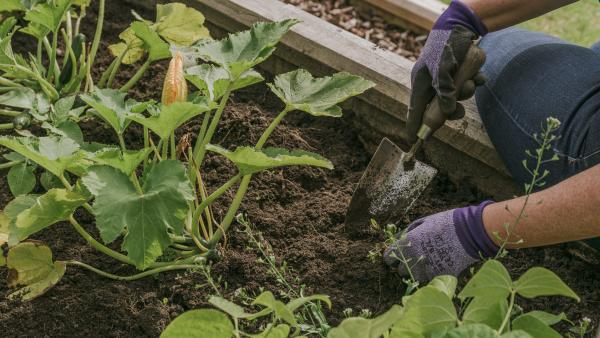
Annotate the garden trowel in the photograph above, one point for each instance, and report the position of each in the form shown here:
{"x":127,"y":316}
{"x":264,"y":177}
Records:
{"x":394,"y":180}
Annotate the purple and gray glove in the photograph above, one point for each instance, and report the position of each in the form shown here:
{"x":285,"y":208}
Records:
{"x":444,"y":51}
{"x":442,"y":244}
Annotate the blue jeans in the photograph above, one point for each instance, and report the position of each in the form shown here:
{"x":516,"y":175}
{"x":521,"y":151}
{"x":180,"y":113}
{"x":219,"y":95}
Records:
{"x":532,"y":76}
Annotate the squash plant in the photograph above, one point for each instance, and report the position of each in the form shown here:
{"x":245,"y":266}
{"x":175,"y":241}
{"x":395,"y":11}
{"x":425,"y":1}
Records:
{"x":153,"y":199}
{"x":486,"y":309}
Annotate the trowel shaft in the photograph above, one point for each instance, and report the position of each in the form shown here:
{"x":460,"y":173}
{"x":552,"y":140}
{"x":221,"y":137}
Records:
{"x":410,"y":155}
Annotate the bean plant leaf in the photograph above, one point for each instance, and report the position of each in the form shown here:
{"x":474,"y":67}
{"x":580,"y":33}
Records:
{"x":279,"y":309}
{"x":358,"y":327}
{"x":533,"y":326}
{"x":539,"y":281}
{"x":156,"y":47}
{"x":126,"y":161}
{"x":492,"y":282}
{"x":172,"y":117}
{"x":199,"y":324}
{"x":294,"y":304}
{"x":31,"y":268}
{"x":52,"y":153}
{"x":274,"y":331}
{"x":21,"y":179}
{"x":179,"y":24}
{"x":48,"y":15}
{"x":548,"y":318}
{"x":54,"y":206}
{"x":516,"y":334}
{"x":249,"y":160}
{"x":446,"y":284}
{"x":213,"y":80}
{"x":148,"y":216}
{"x":428,"y":310}
{"x":471,"y":331}
{"x":239,"y":52}
{"x":49,"y":181}
{"x":110,"y":105}
{"x":228,"y":307}
{"x":317,"y":96}
{"x":480,"y":310}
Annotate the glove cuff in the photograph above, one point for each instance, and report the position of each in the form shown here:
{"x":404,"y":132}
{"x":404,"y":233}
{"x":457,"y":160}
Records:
{"x":458,"y":13}
{"x":468,"y":223}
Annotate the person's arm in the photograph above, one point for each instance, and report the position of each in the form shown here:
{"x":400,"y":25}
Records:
{"x":498,"y":14}
{"x":566,"y":212}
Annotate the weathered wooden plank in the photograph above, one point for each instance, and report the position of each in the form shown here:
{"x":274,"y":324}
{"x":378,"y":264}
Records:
{"x":416,"y":13}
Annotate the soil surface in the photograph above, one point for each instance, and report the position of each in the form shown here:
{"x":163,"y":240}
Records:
{"x":299,"y":211}
{"x":366,"y":24}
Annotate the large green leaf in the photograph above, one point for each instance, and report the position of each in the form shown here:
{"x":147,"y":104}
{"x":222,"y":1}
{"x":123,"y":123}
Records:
{"x":126,"y":161}
{"x":548,"y":318}
{"x":48,"y":15}
{"x":446,"y":284}
{"x":228,"y":307}
{"x":156,"y":47}
{"x":179,"y":24}
{"x":132,"y":47}
{"x":111,"y":107}
{"x":317,"y":96}
{"x":471,"y":331}
{"x":54,"y":206}
{"x":428,"y":310}
{"x":294,"y":304}
{"x":240,"y":52}
{"x":161,"y":206}
{"x":358,"y":327}
{"x":249,"y":160}
{"x":535,"y":327}
{"x":21,"y":179}
{"x":200,"y":324}
{"x":480,"y":310}
{"x":31,"y":267}
{"x":11,"y":5}
{"x":52,"y":153}
{"x":213,"y":80}
{"x":23,"y":98}
{"x":539,"y":281}
{"x":492,"y":282}
{"x":171,"y":117}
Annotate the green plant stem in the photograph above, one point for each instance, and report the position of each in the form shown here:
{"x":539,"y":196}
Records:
{"x":54,"y":71}
{"x":136,"y":276}
{"x":122,"y":142}
{"x":173,"y":147}
{"x":106,"y":74}
{"x":239,"y":196}
{"x":10,"y":113}
{"x":9,"y":83}
{"x":38,"y":54}
{"x":10,"y":164}
{"x":200,"y":146}
{"x":46,"y":86}
{"x":95,"y":42}
{"x":210,"y":199}
{"x":506,"y":321}
{"x":113,"y":72}
{"x":6,"y":126}
{"x":97,"y":245}
{"x":136,"y":77}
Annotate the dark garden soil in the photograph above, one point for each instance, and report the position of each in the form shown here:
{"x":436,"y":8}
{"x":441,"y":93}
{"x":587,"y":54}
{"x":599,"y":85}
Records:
{"x":366,"y":24}
{"x":300,"y":211}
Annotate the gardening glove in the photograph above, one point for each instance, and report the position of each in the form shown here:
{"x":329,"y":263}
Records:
{"x":442,"y":244}
{"x":444,"y":52}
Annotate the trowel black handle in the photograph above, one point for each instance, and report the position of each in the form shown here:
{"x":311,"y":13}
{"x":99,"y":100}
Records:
{"x":434,"y":118}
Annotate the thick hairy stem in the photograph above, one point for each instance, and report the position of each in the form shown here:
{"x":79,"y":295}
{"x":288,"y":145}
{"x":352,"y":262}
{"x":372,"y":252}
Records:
{"x":239,"y":196}
{"x":95,"y":42}
{"x":200,"y":146}
{"x":136,"y":77}
{"x":10,"y":164}
{"x":113,"y":72}
{"x":6,"y":126}
{"x":54,"y":71}
{"x":97,"y":245}
{"x":106,"y":74}
{"x":10,"y":113}
{"x":136,"y":276}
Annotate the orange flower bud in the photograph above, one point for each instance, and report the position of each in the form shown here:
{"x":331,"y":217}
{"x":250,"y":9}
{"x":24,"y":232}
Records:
{"x":175,"y":87}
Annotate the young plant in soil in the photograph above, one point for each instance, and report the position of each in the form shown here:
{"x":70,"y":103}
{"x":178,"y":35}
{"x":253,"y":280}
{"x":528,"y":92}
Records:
{"x":153,"y":200}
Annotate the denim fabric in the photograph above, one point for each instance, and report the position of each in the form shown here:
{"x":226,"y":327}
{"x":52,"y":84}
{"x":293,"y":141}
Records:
{"x":532,"y":76}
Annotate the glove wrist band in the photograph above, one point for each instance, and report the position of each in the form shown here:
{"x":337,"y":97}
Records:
{"x":458,"y":13}
{"x":471,"y":231}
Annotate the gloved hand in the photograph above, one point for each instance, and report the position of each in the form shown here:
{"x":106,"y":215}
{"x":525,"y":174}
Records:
{"x":444,"y":52}
{"x":442,"y":244}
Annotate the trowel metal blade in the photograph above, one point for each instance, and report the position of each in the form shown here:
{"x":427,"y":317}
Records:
{"x":388,"y":188}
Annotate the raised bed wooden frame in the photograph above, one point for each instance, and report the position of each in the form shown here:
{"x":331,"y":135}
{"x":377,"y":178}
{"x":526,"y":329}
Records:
{"x":461,"y":148}
{"x":419,"y":15}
